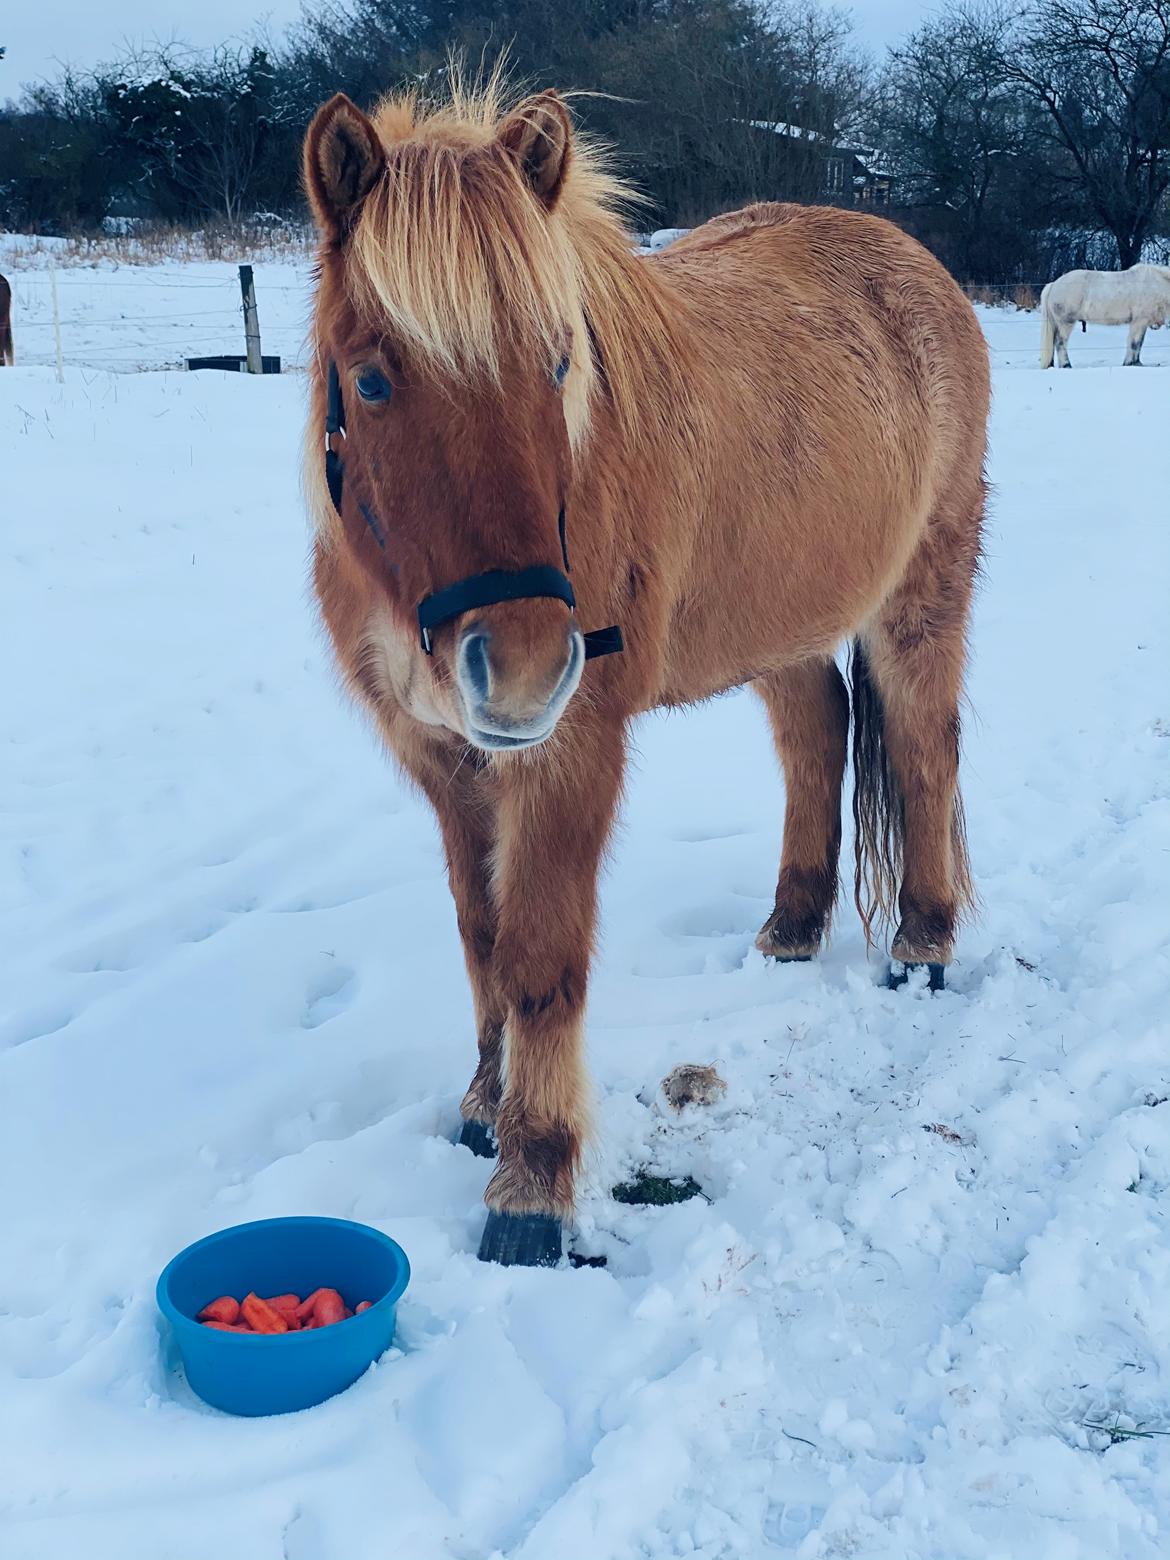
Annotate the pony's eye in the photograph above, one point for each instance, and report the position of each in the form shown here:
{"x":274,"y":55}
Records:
{"x":561,"y":372}
{"x":373,"y":386}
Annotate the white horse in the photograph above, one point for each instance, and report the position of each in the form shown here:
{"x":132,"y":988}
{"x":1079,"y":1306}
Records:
{"x":1139,"y":298}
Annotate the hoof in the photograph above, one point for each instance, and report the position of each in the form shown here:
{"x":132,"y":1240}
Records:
{"x":479,"y":1138}
{"x":785,"y":947}
{"x":899,"y":974}
{"x":521,"y":1239}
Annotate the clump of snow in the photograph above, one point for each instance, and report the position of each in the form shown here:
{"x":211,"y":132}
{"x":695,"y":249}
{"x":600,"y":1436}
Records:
{"x":921,"y":1309}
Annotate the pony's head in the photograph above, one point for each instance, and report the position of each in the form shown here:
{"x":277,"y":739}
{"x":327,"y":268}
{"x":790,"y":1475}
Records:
{"x":450,"y":302}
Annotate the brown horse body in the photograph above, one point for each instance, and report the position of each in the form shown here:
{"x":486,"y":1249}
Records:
{"x":766,"y":440}
{"x":7,"y":352}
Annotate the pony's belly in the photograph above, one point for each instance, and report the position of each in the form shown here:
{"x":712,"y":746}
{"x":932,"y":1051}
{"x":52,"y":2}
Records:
{"x":705,"y":659}
{"x":755,"y":620}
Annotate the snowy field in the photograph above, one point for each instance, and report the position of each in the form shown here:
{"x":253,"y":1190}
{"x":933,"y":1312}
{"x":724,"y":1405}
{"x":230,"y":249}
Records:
{"x":924,"y":1313}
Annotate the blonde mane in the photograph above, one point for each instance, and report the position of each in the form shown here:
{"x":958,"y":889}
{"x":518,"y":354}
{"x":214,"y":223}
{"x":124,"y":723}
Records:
{"x":454,"y":252}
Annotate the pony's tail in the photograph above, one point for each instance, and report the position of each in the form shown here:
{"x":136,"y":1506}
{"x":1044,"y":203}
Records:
{"x":879,"y":812}
{"x":1047,"y":332}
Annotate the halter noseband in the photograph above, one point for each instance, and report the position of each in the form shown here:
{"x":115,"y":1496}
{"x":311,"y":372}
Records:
{"x":476,"y":590}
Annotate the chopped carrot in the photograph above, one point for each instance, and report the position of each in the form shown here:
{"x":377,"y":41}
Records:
{"x":279,"y":1313}
{"x":225,"y":1309}
{"x":308,"y":1306}
{"x":261,"y":1317}
{"x":330,"y":1308}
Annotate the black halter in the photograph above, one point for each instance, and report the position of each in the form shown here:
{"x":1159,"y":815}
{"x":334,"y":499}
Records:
{"x":477,"y":590}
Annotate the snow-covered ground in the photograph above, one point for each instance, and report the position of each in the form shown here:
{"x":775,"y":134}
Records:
{"x":124,"y":318}
{"x":925,"y":1312}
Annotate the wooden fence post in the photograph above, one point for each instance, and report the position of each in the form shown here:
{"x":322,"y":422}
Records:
{"x":255,"y":362}
{"x":56,"y":325}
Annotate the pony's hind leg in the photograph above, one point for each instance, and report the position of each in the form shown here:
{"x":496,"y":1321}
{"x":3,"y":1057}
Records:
{"x":907,"y":677}
{"x":809,"y":711}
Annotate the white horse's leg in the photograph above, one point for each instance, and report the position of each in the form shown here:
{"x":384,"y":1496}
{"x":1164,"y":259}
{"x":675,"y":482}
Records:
{"x":1133,"y":347}
{"x":1064,"y":329}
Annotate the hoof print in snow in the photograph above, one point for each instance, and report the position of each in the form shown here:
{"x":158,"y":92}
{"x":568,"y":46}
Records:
{"x":479,"y":1138}
{"x":899,"y":975}
{"x":692,"y":1084}
{"x":656,"y":1191}
{"x":521,"y":1239}
{"x":579,"y":1259}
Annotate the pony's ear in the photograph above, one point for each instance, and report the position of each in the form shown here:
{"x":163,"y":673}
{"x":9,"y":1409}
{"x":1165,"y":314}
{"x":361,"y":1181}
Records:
{"x":539,"y":135}
{"x":343,"y":160}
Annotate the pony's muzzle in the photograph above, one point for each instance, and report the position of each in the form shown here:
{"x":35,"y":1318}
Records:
{"x":508,"y":707}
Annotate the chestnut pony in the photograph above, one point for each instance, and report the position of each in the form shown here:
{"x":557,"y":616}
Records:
{"x":758,"y":444}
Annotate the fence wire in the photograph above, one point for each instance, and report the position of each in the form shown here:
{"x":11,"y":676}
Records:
{"x":117,"y":337}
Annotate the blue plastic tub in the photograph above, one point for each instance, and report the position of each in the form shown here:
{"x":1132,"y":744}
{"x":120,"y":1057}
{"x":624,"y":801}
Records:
{"x":276,"y":1375}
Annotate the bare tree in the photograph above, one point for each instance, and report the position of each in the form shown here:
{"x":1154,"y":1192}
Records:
{"x":960,"y":129}
{"x":1101,"y":71}
{"x":227,"y":113}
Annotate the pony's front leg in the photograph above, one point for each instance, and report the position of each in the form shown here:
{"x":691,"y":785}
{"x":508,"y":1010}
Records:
{"x":555,"y":810}
{"x":1133,"y":345}
{"x":809,"y":711}
{"x":461,"y":789}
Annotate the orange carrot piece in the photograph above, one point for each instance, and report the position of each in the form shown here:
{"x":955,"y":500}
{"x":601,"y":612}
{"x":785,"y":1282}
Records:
{"x":308,"y":1306}
{"x":225,"y":1309}
{"x":226,"y":1326}
{"x":362,"y":1305}
{"x":330,"y":1308}
{"x":283,"y":1303}
{"x":261,"y":1317}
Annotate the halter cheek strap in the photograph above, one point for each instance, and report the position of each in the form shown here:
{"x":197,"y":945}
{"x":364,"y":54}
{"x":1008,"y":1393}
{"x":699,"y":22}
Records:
{"x":477,"y":590}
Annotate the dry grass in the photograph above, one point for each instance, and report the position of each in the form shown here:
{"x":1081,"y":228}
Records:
{"x":1004,"y":295}
{"x":154,"y":243}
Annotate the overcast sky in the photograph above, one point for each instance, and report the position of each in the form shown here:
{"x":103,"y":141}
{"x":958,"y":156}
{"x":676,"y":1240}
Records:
{"x":40,"y":34}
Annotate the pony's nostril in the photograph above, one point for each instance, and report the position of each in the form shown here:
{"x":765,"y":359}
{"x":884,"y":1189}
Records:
{"x":474,"y":668}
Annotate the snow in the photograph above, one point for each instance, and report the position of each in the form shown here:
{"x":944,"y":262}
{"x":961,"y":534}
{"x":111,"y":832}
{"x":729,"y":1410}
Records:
{"x":122,"y":318}
{"x":934,"y":1253}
